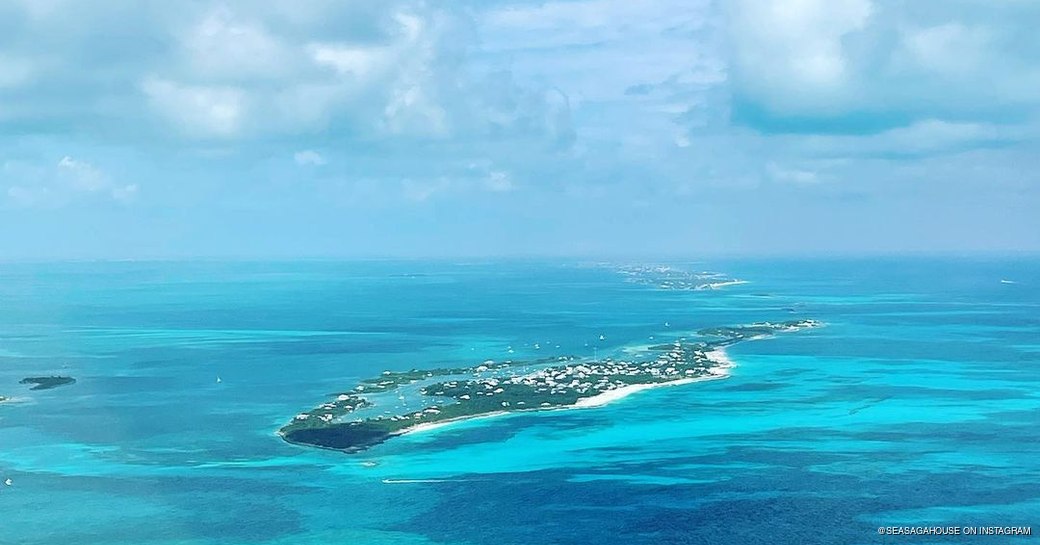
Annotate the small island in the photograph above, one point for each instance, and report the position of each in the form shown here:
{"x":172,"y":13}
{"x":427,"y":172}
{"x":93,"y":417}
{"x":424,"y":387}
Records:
{"x":400,"y":402}
{"x":46,"y":383}
{"x":670,"y":278}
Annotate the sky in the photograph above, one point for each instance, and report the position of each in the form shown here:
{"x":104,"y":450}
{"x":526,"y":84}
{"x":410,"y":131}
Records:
{"x":399,"y":128}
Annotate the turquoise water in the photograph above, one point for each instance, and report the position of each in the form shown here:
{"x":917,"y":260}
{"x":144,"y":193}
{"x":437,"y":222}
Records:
{"x":917,"y":404}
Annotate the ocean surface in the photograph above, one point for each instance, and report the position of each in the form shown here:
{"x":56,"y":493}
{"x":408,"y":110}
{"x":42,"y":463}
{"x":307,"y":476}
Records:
{"x":917,"y":404}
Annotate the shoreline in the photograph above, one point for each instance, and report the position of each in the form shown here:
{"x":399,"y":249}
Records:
{"x":720,"y":371}
{"x":721,"y":359}
{"x":586,"y":384}
{"x":617,"y":394}
{"x":428,"y":426}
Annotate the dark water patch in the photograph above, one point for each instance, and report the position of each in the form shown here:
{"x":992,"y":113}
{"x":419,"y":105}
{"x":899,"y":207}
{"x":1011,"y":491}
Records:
{"x":792,"y":372}
{"x":47,"y":383}
{"x":568,"y":421}
{"x":782,"y":505}
{"x":863,"y":392}
{"x":200,"y":508}
{"x":102,"y":385}
{"x":499,"y":429}
{"x":824,"y":346}
{"x":1027,"y":416}
{"x":143,"y":424}
{"x":993,"y":437}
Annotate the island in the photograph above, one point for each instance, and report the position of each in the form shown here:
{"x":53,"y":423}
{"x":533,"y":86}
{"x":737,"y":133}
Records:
{"x":395,"y":403}
{"x":46,"y":383}
{"x":671,"y":278}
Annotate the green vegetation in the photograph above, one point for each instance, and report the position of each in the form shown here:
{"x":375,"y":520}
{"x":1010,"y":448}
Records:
{"x":457,"y":393}
{"x":734,"y":334}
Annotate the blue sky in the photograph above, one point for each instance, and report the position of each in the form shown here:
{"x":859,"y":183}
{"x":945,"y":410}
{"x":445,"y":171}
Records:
{"x":499,"y":128}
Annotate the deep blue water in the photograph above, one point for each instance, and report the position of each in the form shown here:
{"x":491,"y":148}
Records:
{"x":917,"y":404}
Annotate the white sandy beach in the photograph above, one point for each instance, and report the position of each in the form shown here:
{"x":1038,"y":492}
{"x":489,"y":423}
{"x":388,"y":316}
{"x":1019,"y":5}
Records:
{"x":625,"y":391}
{"x":427,"y":426}
{"x":719,"y":371}
{"x":718,"y":356}
{"x":722,"y":361}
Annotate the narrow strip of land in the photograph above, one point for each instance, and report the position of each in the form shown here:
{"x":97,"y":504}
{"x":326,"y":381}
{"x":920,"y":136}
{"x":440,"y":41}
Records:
{"x":353,"y":421}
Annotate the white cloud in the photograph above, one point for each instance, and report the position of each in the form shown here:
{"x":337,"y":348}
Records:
{"x":884,"y":62}
{"x":413,"y":110}
{"x":477,"y":179}
{"x":792,"y":55}
{"x":948,"y":49}
{"x":354,"y":61}
{"x":938,"y":135}
{"x":198,"y":110}
{"x":220,"y":47}
{"x":362,"y":63}
{"x":234,"y":72}
{"x":651,"y":40}
{"x":929,"y":136}
{"x":68,"y":180}
{"x":253,"y":77}
{"x":614,"y":99}
{"x":308,"y":158}
{"x":83,"y":176}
